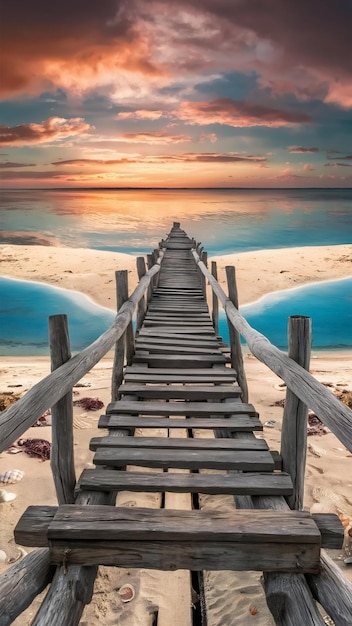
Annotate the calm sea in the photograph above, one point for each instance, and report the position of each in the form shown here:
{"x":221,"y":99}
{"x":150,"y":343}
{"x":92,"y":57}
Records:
{"x":134,"y":221}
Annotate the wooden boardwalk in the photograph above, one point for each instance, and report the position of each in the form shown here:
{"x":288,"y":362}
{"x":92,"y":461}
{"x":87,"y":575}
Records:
{"x":178,"y":417}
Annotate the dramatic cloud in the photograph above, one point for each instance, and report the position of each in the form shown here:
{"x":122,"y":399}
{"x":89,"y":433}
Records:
{"x":52,"y":129}
{"x":9,"y":165}
{"x":140,"y":115}
{"x":301,"y":150}
{"x":337,"y":164}
{"x":348,"y":157}
{"x":187,"y":157}
{"x":237,"y":113}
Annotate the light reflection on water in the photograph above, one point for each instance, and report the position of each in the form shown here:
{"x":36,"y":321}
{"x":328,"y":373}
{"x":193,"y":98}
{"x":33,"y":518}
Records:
{"x":134,"y":221}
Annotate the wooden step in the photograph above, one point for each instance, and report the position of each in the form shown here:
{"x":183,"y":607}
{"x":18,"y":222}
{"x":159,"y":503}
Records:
{"x":251,"y":484}
{"x":173,"y":347}
{"x":177,"y":360}
{"x":181,"y":408}
{"x":184,"y":392}
{"x":216,"y":372}
{"x":148,"y":377}
{"x":174,"y":443}
{"x":241,"y":423}
{"x":165,"y":539}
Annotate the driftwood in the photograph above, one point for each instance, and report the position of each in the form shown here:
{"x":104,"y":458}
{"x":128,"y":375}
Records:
{"x":62,"y":455}
{"x":329,"y":409}
{"x":22,"y":582}
{"x":20,"y":416}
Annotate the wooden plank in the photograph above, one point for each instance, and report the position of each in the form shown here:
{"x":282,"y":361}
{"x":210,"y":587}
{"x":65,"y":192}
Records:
{"x":237,"y":424}
{"x":180,"y":408}
{"x":176,"y":443}
{"x":216,"y":372}
{"x":177,"y":360}
{"x":148,"y":377}
{"x":165,"y":539}
{"x":95,"y":522}
{"x":242,"y":460}
{"x":247,"y":483}
{"x":195,"y":556}
{"x":185,"y":392}
{"x":175,"y":348}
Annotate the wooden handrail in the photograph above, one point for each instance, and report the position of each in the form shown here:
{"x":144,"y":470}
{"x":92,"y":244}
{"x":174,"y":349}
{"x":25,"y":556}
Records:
{"x":22,"y":415}
{"x":336,"y":415}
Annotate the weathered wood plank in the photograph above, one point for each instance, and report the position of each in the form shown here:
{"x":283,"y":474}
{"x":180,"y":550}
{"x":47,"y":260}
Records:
{"x":242,"y":460}
{"x":239,"y":423}
{"x":174,"y":348}
{"x":95,"y":522}
{"x":148,"y":377}
{"x":257,"y":483}
{"x":215,"y":372}
{"x":179,"y":360}
{"x":186,"y":392}
{"x":181,"y":408}
{"x":176,"y":443}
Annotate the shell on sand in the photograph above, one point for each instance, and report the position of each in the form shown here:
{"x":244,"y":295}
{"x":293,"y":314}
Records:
{"x":10,"y":477}
{"x":5,"y":496}
{"x":316,"y":450}
{"x":3,"y":556}
{"x":126,"y":592}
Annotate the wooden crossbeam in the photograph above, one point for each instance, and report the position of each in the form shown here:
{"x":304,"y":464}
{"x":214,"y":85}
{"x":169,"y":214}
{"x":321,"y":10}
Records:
{"x":166,"y":539}
{"x":238,"y":424}
{"x":181,"y":408}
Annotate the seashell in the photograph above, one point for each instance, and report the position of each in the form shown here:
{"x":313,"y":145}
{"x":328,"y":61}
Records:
{"x":6,"y":496}
{"x":348,"y":560}
{"x":10,"y":477}
{"x":316,"y":450}
{"x":270,"y":423}
{"x":126,"y":593}
{"x":3,"y":556}
{"x":14,"y":450}
{"x":21,"y":552}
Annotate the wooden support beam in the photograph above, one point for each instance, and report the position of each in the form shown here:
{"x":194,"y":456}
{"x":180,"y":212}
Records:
{"x":215,"y":306}
{"x":141,"y":308}
{"x":235,"y":343}
{"x":119,"y":355}
{"x":294,"y":422}
{"x":62,"y":454}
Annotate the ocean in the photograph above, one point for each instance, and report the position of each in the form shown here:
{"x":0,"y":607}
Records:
{"x":134,"y":221}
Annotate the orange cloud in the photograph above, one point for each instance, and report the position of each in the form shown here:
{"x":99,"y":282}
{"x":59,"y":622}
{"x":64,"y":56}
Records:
{"x":140,"y":114}
{"x":237,"y":113}
{"x":154,"y":138}
{"x":52,"y":129}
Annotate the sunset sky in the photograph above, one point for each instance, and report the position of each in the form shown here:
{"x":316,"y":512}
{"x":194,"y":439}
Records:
{"x":190,"y":93}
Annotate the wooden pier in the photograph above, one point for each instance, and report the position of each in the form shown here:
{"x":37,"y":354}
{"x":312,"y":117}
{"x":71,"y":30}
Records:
{"x":179,"y":411}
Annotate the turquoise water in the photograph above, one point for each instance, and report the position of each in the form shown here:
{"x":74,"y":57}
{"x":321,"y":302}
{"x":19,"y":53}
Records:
{"x":26,"y":306}
{"x":134,"y":221}
{"x":329,"y":304}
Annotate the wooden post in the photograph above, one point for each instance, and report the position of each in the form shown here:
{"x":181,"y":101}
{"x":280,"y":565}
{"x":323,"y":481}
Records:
{"x":204,"y":258}
{"x":294,"y":423}
{"x":150,"y":265}
{"x":62,"y":457}
{"x":119,"y":357}
{"x":215,"y":306}
{"x":235,"y":344}
{"x":141,"y":270}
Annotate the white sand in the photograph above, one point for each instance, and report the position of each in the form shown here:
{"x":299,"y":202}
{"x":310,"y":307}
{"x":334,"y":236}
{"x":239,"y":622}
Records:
{"x":328,"y":482}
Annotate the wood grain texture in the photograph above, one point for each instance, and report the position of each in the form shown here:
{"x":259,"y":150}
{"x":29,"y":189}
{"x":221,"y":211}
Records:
{"x":180,"y":408}
{"x":239,"y":423}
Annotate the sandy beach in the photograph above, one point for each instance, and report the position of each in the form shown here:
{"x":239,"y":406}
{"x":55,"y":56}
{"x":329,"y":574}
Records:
{"x":328,"y":462}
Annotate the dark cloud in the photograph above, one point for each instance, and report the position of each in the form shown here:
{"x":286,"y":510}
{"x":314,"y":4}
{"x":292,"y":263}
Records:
{"x":237,"y":113}
{"x":338,"y":164}
{"x":9,"y":165}
{"x":302,"y":150}
{"x":348,"y":157}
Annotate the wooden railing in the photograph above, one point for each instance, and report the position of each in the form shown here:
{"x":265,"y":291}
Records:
{"x":331,"y":411}
{"x":15,"y":420}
